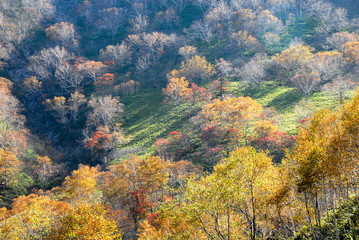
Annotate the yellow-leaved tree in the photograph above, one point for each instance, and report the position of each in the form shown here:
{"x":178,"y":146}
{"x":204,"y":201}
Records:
{"x":81,"y":186}
{"x":88,"y":222}
{"x":197,"y":69}
{"x":176,"y":90}
{"x":294,"y":57}
{"x":31,"y":217}
{"x":231,"y":203}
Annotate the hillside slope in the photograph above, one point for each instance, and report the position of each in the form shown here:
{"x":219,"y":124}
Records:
{"x":148,"y":117}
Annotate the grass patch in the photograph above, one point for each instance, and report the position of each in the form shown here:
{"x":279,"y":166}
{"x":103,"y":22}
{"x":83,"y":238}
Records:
{"x":148,"y":118}
{"x":283,"y":98}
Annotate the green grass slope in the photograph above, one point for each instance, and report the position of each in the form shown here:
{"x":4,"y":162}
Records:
{"x":148,"y":118}
{"x":284,"y":100}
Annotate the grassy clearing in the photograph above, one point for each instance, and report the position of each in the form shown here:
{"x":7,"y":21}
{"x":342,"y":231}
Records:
{"x":281,"y":98}
{"x":284,"y":99}
{"x":148,"y":118}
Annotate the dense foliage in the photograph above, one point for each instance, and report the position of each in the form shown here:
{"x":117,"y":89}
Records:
{"x":179,"y":119}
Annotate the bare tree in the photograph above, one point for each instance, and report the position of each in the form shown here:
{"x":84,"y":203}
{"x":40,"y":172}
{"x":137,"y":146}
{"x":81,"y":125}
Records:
{"x":337,"y":40}
{"x":179,"y":5}
{"x":58,"y":107}
{"x":113,"y":19}
{"x":281,"y":8}
{"x":203,"y":4}
{"x":140,"y":7}
{"x":197,"y":69}
{"x":200,"y":30}
{"x":152,"y":44}
{"x":69,"y":77}
{"x":295,"y":42}
{"x":104,"y":110}
{"x":269,"y":23}
{"x":224,"y":68}
{"x":254,"y":71}
{"x":92,"y":69}
{"x":318,"y":8}
{"x":167,"y":19}
{"x":334,"y":21}
{"x":306,"y":81}
{"x":175,"y":41}
{"x":327,"y":65}
{"x":75,"y":101}
{"x":21,"y":33}
{"x":139,"y":23}
{"x":270,"y":39}
{"x":143,"y":63}
{"x":187,"y":52}
{"x":120,"y":54}
{"x":331,"y":18}
{"x":339,"y":88}
{"x":63,"y":33}
{"x":45,"y":62}
{"x":246,"y":4}
{"x":223,"y":10}
{"x":65,"y":109}
{"x":21,"y":17}
{"x":38,"y":9}
{"x":32,"y":85}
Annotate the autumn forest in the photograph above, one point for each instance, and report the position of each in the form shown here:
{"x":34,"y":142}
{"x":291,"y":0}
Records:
{"x":179,"y":119}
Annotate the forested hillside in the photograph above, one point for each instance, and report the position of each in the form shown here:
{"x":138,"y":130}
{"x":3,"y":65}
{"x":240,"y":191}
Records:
{"x":179,"y":119}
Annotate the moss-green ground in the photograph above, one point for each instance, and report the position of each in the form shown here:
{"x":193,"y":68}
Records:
{"x":148,"y":118}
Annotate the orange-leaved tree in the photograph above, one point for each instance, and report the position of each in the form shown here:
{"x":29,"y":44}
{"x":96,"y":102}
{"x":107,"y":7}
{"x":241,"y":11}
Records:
{"x":351,"y":51}
{"x":9,"y":166}
{"x":238,"y":114}
{"x":135,"y":185}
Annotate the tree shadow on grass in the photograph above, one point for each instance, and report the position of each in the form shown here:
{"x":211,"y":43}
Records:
{"x":286,"y":100}
{"x":253,"y":92}
{"x":148,"y":118}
